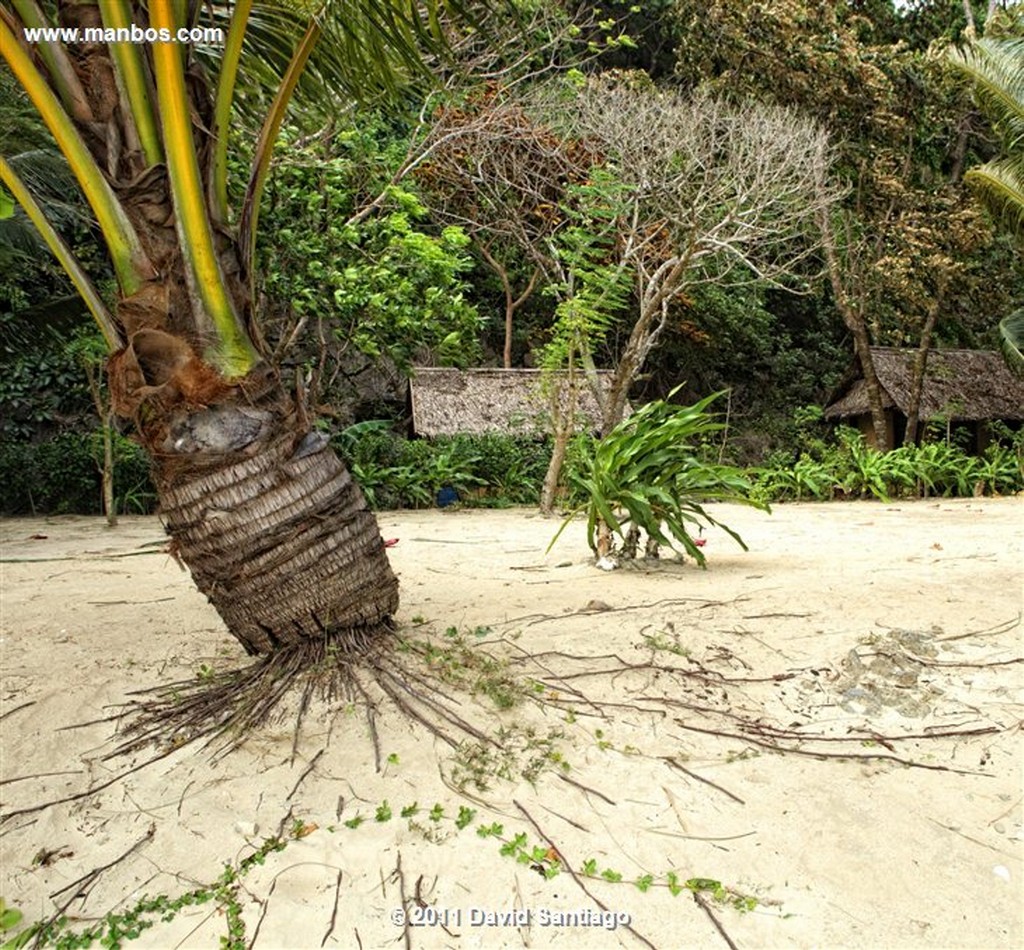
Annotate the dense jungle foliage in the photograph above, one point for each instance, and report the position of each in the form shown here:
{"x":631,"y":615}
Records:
{"x":465,"y":224}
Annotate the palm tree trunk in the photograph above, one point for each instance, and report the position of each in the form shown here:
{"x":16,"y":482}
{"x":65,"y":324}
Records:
{"x":282,"y":543}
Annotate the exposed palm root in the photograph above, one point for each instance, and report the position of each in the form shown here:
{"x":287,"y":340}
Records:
{"x":224,"y":707}
{"x":365,"y":669}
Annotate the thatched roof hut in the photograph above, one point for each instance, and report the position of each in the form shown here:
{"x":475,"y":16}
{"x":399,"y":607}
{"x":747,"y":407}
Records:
{"x":511,"y":401}
{"x":971,"y":386}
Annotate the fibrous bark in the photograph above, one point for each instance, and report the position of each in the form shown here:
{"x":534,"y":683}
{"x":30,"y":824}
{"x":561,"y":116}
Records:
{"x":282,"y":543}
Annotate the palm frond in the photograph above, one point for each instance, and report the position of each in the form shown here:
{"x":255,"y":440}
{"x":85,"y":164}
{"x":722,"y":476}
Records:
{"x":83,"y":284}
{"x":51,"y":182}
{"x":368,"y":48}
{"x":996,"y":68}
{"x":1011,"y":329}
{"x":1000,"y":186}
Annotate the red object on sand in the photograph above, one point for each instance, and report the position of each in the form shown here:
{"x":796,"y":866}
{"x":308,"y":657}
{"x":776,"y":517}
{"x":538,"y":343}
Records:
{"x":391,"y":542}
{"x":700,"y":542}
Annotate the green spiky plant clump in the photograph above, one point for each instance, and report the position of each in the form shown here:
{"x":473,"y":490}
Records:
{"x":647,"y":474}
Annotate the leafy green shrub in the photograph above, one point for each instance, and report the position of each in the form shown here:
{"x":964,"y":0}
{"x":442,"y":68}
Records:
{"x":408,"y":473}
{"x":509,"y":468}
{"x":134,"y":492}
{"x":945,"y":470}
{"x":781,"y":479}
{"x":42,"y":387}
{"x":387,"y":287}
{"x":646,"y":474}
{"x":62,"y":476}
{"x":935,"y":468}
{"x":1000,"y":471}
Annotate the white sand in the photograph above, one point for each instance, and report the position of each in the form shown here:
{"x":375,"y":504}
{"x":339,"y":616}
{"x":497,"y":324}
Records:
{"x":838,"y":852}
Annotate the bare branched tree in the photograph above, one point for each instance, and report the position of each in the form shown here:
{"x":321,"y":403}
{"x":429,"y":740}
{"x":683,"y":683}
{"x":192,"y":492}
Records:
{"x":710,"y":192}
{"x":502,"y":176}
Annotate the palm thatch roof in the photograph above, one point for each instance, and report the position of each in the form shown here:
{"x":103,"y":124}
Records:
{"x":959,"y":385}
{"x":511,"y":401}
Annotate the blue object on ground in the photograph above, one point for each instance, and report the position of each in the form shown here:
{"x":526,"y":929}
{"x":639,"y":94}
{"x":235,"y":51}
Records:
{"x":447,"y":496}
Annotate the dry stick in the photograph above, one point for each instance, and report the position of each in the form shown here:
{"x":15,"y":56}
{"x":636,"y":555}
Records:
{"x":208,"y":711}
{"x":775,"y":747}
{"x":371,"y":721}
{"x":703,"y":904}
{"x":263,"y":913}
{"x":133,"y":603}
{"x":602,"y":706}
{"x":11,"y":712}
{"x":334,"y":911}
{"x":579,"y":883}
{"x":420,"y":902}
{"x":700,"y":778}
{"x":976,"y":841}
{"x":858,"y":736}
{"x":288,"y":816}
{"x":309,"y":768}
{"x":415,"y":716}
{"x":73,"y":557}
{"x":587,"y":789}
{"x":529,"y":657}
{"x":701,"y":673}
{"x":1008,"y":810}
{"x":184,"y":940}
{"x":23,"y":778}
{"x":569,"y":821}
{"x":443,"y":711}
{"x":666,"y":602}
{"x":89,"y":791}
{"x":708,"y":676}
{"x":307,"y":691}
{"x":184,"y":792}
{"x":407,"y":933}
{"x":1005,"y":627}
{"x":87,"y":880}
{"x":432,"y":685}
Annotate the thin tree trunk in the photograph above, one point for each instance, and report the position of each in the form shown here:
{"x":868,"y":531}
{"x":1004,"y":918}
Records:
{"x":855,"y":323}
{"x":993,"y":5}
{"x":862,"y":345}
{"x":106,"y":417}
{"x":653,"y":303}
{"x":549,"y":490}
{"x":963,"y":138}
{"x":921,"y":364}
{"x":512,"y":304}
{"x":563,"y":416}
{"x":969,"y":14}
{"x":109,"y":502}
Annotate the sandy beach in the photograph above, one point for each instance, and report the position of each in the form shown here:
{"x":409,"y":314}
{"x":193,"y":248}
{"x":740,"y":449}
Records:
{"x":812,"y":743}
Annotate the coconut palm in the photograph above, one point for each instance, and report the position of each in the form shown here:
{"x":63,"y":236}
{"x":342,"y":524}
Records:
{"x":270,"y":523}
{"x":996,"y":68}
